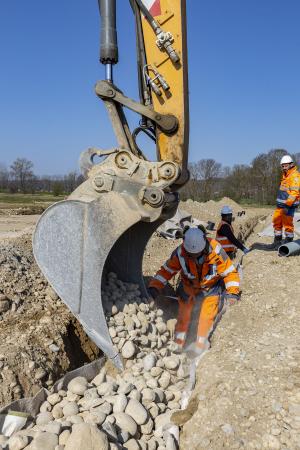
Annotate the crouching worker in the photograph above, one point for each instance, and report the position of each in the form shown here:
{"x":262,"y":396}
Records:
{"x":225,"y":234}
{"x":207,"y":277}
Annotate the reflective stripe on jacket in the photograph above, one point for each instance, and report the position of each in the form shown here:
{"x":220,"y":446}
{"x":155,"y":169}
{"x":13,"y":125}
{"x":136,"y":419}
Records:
{"x":202,"y":274}
{"x":227,"y":245}
{"x":289,"y":189}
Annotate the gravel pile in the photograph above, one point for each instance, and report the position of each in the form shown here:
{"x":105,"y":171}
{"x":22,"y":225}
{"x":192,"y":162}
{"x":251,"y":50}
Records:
{"x":131,"y":410}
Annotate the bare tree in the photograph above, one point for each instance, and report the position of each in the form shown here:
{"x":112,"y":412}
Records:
{"x":206,"y":171}
{"x":4,"y":177}
{"x":22,"y":173}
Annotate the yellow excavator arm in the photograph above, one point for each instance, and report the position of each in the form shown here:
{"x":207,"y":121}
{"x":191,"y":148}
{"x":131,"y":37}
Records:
{"x":168,"y":72}
{"x":107,"y":221}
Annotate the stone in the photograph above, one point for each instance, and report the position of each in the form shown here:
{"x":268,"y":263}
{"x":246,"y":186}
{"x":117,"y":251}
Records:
{"x":164,"y":380}
{"x":78,"y":385}
{"x":52,"y":427}
{"x":137,"y":411}
{"x":45,"y":406}
{"x":126,"y":423}
{"x":75,"y":419}
{"x":44,"y":441}
{"x":106,"y":388}
{"x":128,"y":350}
{"x":171,"y":362}
{"x":44,"y":418}
{"x":86,"y":437}
{"x":4,"y":306}
{"x":162,"y":420}
{"x":40,"y":374}
{"x":100,"y":378}
{"x":148,"y":426}
{"x":63,"y":437}
{"x":120,"y":403}
{"x":57,"y":412}
{"x":53,"y":399}
{"x":149,"y":361}
{"x":148,"y":395}
{"x":132,"y":444}
{"x":17,"y":442}
{"x":70,"y":409}
{"x":227,"y":428}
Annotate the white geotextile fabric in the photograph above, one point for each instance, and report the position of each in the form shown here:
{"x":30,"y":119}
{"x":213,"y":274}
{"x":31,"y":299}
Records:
{"x":268,"y":231}
{"x":14,"y":416}
{"x":170,"y":228}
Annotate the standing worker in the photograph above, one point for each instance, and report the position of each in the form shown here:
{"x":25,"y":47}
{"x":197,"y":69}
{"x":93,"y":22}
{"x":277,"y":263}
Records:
{"x":206,"y":272}
{"x":288,"y":199}
{"x":225,"y":234}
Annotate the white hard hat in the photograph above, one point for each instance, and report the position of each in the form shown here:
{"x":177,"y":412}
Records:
{"x":226,"y":210}
{"x":194,"y":240}
{"x":286,"y":159}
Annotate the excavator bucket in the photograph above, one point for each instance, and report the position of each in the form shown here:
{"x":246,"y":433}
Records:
{"x":79,"y":240}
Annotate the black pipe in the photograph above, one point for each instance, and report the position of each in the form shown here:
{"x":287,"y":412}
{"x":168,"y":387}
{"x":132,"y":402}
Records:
{"x":108,"y":40}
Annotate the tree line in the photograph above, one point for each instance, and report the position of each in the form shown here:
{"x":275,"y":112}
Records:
{"x":254,"y":183}
{"x":20,"y":178}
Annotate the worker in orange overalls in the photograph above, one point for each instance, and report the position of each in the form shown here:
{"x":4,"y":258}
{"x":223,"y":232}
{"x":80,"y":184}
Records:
{"x":288,"y":199}
{"x":225,"y":234}
{"x":208,"y":277}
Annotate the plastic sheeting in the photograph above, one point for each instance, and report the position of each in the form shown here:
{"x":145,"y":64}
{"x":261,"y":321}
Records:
{"x":17,"y":414}
{"x":269,"y":231}
{"x":172,"y":228}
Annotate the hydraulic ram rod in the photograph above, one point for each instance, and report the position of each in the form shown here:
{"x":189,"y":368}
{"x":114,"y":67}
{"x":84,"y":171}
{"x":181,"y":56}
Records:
{"x":108,"y":40}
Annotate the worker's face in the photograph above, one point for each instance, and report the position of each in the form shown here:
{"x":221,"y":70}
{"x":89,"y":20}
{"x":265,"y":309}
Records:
{"x":285,"y":167}
{"x":228,"y":218}
{"x":195,"y":255}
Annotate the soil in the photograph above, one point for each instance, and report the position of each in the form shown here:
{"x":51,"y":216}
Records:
{"x":248,"y":389}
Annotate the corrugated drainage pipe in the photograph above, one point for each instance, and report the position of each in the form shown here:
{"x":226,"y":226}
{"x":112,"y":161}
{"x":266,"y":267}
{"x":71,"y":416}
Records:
{"x":290,"y":249}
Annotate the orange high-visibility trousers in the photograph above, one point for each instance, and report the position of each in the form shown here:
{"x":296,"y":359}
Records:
{"x":283,"y":220}
{"x":208,"y":312}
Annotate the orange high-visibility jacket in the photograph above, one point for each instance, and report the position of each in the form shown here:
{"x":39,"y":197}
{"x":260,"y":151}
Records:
{"x":226,"y":244}
{"x":289,"y":190}
{"x":201,"y":275}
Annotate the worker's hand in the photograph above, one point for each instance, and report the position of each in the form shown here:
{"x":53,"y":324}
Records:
{"x":153,"y":292}
{"x":231,"y":299}
{"x":246,"y":250}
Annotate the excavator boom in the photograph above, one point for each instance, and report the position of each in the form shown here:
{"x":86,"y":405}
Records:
{"x":107,"y":221}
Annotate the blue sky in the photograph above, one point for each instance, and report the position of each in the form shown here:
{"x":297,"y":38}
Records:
{"x":244,"y":71}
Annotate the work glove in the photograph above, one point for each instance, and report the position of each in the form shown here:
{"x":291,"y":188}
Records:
{"x":231,"y":299}
{"x":153,"y":292}
{"x":246,"y":250}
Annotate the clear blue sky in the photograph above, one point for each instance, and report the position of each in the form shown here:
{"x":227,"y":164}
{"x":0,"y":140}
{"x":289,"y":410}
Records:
{"x":244,"y":70}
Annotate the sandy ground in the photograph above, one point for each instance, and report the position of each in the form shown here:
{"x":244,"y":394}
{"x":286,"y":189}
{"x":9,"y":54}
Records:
{"x":12,"y":226}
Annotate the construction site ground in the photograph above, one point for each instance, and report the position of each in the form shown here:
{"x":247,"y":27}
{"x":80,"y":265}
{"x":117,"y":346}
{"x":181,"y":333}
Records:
{"x":247,"y":394}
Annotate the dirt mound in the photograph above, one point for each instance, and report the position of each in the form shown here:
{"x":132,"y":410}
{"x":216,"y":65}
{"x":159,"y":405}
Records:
{"x":39,"y":339}
{"x":209,"y":210}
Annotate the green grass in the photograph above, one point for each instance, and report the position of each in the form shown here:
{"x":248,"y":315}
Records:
{"x":29,"y":199}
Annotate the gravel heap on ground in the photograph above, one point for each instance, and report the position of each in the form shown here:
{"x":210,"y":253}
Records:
{"x":132,"y":410}
{"x":37,"y":331}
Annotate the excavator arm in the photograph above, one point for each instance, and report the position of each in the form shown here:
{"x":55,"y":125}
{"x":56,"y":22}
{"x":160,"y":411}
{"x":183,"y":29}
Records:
{"x":107,"y":221}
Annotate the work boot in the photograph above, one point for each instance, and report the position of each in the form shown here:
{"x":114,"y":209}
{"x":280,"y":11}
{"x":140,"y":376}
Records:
{"x":287,"y":240}
{"x":277,"y":242}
